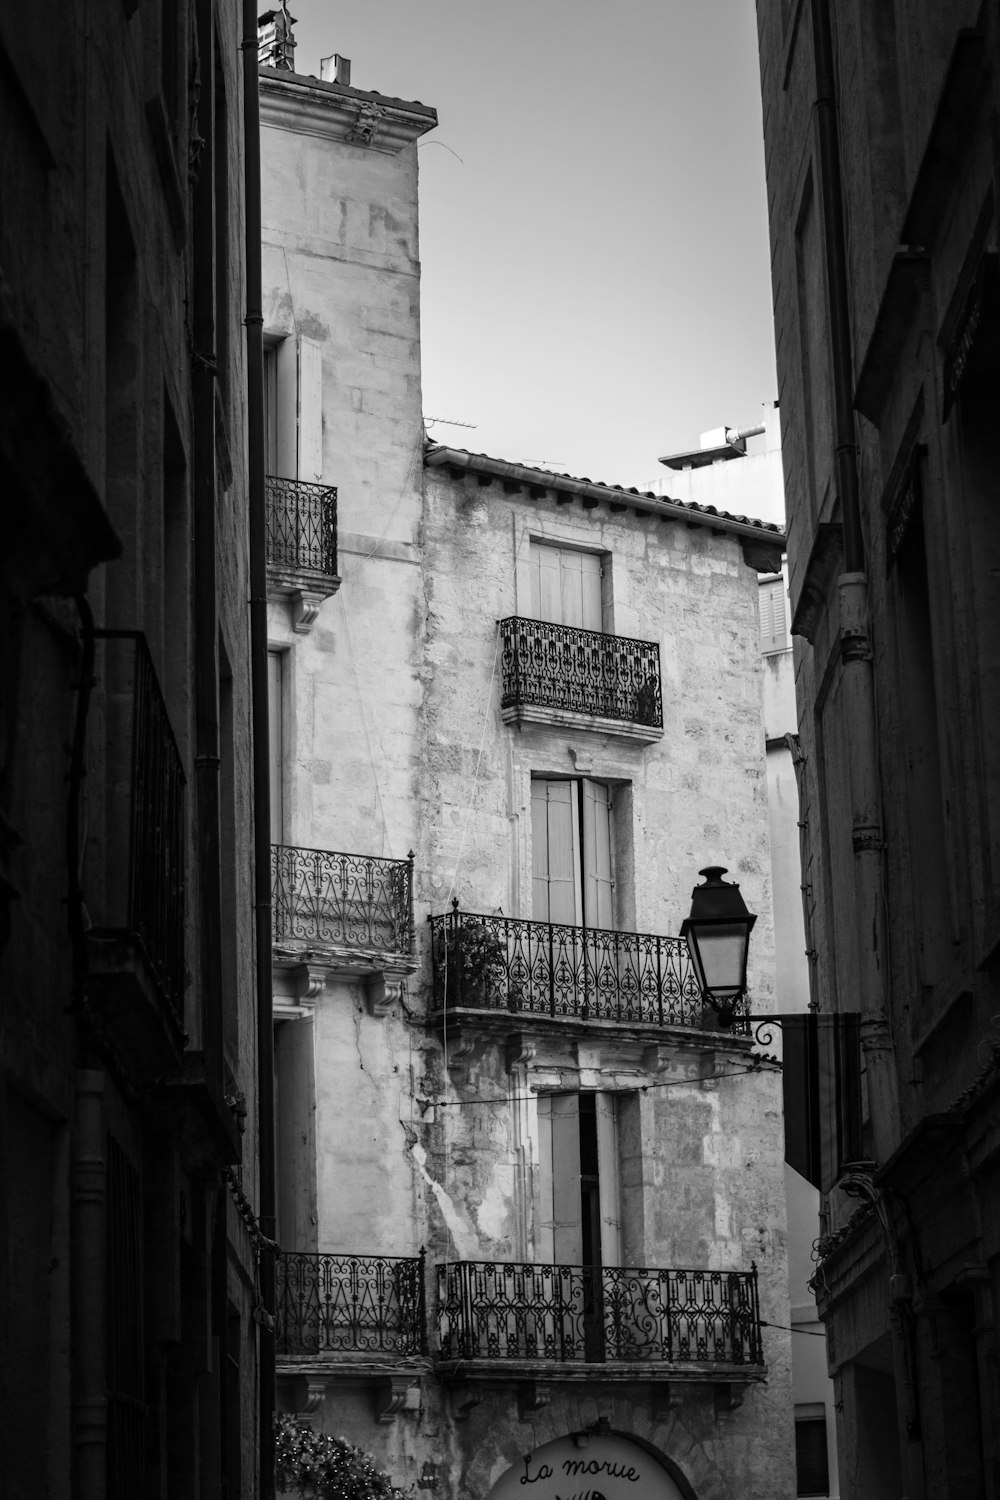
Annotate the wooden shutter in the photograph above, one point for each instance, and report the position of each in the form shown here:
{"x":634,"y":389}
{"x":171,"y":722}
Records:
{"x":271,"y":410}
{"x":773,"y":625}
{"x":310,"y":411}
{"x":567,"y":1226}
{"x":566,"y":586}
{"x":295,"y":409}
{"x":555,"y":842}
{"x":286,"y":409}
{"x":609,"y":1185}
{"x":597,"y":883}
{"x":275,"y":743}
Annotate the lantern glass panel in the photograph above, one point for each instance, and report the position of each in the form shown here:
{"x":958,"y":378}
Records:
{"x":721,"y":955}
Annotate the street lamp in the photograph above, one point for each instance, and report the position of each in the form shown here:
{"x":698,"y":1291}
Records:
{"x":718,"y":937}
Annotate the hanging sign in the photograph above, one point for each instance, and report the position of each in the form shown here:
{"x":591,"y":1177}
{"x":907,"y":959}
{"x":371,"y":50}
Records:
{"x":588,"y":1466}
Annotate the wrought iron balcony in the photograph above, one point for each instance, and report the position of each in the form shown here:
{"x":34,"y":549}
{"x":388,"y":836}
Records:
{"x":142,"y":896}
{"x":597,"y":1315}
{"x":554,"y":969}
{"x":583,"y":671}
{"x":301,"y":526}
{"x":343,"y":901}
{"x":362,"y":1304}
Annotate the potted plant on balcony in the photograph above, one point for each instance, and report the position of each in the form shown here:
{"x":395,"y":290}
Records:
{"x":475,"y":964}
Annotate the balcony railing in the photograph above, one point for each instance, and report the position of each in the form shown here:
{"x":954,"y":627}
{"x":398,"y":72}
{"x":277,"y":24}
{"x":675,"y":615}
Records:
{"x":301,"y":526}
{"x":554,"y":969}
{"x":366,"y":1304}
{"x":144,"y":895}
{"x":590,"y":1315}
{"x":586,"y":671}
{"x":342,"y":900}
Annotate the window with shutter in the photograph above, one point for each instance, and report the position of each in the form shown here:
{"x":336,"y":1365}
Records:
{"x":566,"y":586}
{"x":293,"y":409}
{"x":274,"y":710}
{"x":773,"y":621}
{"x":812,"y":1473}
{"x":579,"y":1220}
{"x":571,"y":852}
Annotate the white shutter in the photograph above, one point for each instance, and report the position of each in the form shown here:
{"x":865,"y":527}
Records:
{"x":544,"y":1251}
{"x":286,"y":409}
{"x":310,"y":454}
{"x":598,"y":888}
{"x":271,"y":410}
{"x":275,"y":743}
{"x":567,"y":1227}
{"x":555,"y":843}
{"x":565,"y":586}
{"x":546,"y":588}
{"x":609,"y":1187}
{"x":773,"y":625}
{"x":581,"y":590}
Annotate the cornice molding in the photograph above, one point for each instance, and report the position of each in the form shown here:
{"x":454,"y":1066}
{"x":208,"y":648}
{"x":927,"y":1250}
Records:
{"x":337,"y":112}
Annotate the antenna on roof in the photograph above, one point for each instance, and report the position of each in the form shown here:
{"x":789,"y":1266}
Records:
{"x":448,"y":422}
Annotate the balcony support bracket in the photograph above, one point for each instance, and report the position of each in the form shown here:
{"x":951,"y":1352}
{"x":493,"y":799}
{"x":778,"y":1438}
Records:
{"x":384,"y":991}
{"x":464,"y":1399}
{"x":394,"y":1394}
{"x":728,"y":1397}
{"x":532,"y":1397}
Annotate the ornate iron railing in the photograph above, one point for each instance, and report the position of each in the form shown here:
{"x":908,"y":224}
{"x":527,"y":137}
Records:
{"x":302,"y":525}
{"x":584,"y":1314}
{"x":149,"y":902}
{"x":556,"y":666}
{"x":554,"y":969}
{"x":346,"y":900}
{"x":371,"y":1304}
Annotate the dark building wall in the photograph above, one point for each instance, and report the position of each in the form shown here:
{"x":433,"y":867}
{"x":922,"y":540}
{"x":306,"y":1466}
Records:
{"x":126,"y":1048}
{"x":913,"y":90}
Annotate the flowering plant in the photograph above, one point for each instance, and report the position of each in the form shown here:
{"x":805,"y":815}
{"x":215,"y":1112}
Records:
{"x":319,"y":1467}
{"x":475,"y":955}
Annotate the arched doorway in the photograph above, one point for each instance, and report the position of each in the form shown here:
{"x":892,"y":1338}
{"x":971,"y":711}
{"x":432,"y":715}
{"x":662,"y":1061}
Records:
{"x":588,"y":1466}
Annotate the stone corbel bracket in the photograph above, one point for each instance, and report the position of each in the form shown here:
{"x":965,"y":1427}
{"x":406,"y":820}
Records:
{"x":461,"y":1046}
{"x":532,"y":1397}
{"x":304,"y":605}
{"x":394,"y":1394}
{"x":464,"y":1398}
{"x":383,"y":991}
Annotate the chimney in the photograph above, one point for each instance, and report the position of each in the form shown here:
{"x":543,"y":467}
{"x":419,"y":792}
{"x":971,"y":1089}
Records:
{"x":275,"y":41}
{"x":335,"y":69}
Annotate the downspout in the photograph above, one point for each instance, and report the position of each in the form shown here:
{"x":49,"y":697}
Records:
{"x":857,"y":666}
{"x":261,"y":771}
{"x":208,"y":834}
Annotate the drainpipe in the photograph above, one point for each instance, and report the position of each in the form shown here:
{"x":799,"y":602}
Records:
{"x":857,"y":667}
{"x":261,"y":774}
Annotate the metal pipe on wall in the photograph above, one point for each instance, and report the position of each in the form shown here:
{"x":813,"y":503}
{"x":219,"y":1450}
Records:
{"x":256,"y":497}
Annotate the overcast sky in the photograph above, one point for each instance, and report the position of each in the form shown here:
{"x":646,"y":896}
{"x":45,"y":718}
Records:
{"x":595,"y":269}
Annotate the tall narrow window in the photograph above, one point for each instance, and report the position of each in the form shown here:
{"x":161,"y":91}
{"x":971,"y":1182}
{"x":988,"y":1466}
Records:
{"x":571,"y":852}
{"x":566,"y":586}
{"x":580,"y":1215}
{"x":275,"y":742}
{"x":812,"y":1470}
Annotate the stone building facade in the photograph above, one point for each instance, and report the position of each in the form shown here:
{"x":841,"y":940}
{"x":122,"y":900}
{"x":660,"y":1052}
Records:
{"x":880,"y":129}
{"x":129,"y":1161}
{"x":529,"y":1191}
